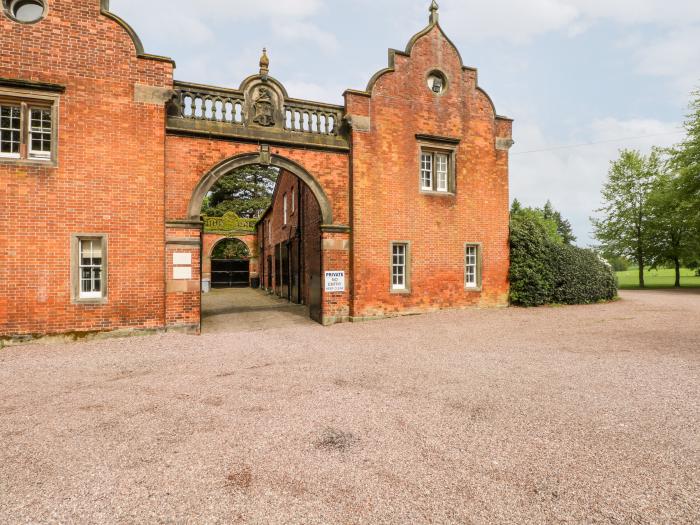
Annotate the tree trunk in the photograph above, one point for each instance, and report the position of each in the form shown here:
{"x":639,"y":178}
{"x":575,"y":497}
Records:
{"x":640,"y":262}
{"x":678,"y":272}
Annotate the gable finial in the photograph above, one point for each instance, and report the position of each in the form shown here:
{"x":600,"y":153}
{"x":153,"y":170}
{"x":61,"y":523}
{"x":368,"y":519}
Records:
{"x":264,"y":63}
{"x":434,"y":15}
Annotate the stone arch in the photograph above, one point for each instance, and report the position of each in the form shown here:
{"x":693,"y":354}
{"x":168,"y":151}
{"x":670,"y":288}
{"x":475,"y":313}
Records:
{"x":250,"y":247}
{"x":227,"y":166}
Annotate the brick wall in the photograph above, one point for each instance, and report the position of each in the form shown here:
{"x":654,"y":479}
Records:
{"x":109,"y":179}
{"x":121,"y":175}
{"x":272,"y":231}
{"x":386,"y":199}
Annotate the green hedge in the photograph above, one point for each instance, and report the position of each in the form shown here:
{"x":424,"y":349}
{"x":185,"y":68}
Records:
{"x":545,"y":271}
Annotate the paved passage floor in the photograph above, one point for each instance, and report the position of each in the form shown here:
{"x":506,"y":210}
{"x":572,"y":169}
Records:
{"x":584,"y":414}
{"x":245,"y":310}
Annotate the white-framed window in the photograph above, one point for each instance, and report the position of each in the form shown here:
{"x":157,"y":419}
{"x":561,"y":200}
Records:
{"x":294,"y":201}
{"x":399,"y":266}
{"x":27,"y":127}
{"x":426,"y":171}
{"x":285,"y":209}
{"x":89,"y":267}
{"x":442,"y":171}
{"x":40,"y":133}
{"x":472,"y":266}
{"x":10,"y":130}
{"x":436,"y":171}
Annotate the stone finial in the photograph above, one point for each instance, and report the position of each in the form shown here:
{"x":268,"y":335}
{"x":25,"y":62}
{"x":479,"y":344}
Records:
{"x":264,"y":63}
{"x":434,"y":16}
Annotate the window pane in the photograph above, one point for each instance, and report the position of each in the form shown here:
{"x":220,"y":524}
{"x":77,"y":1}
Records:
{"x":471,"y":266}
{"x":426,"y":171}
{"x":90,"y":268}
{"x":40,"y":132}
{"x":398,"y":268}
{"x":442,"y":162}
{"x":9,"y":129}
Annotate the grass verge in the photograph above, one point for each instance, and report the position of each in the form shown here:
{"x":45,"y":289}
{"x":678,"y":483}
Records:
{"x":657,"y":279}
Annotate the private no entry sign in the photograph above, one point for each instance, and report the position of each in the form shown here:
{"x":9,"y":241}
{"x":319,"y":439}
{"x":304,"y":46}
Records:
{"x":335,"y":282}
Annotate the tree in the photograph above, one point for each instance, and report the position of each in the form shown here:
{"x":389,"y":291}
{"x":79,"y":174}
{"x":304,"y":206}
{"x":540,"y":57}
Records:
{"x":557,"y":227}
{"x":684,"y":160}
{"x":685,"y":157}
{"x":625,"y":226}
{"x":516,"y":207}
{"x":673,"y":230}
{"x":231,"y":249}
{"x":535,"y":215}
{"x":564,"y":228}
{"x":247,"y":192}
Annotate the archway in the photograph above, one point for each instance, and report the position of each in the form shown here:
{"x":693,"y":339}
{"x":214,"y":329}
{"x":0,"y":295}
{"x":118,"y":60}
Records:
{"x":285,"y":243}
{"x":227,"y":166}
{"x":230,"y":264}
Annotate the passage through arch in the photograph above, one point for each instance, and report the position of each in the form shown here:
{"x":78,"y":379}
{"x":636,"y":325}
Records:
{"x":239,"y":161}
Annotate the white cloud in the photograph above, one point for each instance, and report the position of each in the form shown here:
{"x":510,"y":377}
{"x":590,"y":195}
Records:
{"x":516,"y":21}
{"x":298,"y":30}
{"x":521,"y":20}
{"x":177,"y":21}
{"x":674,"y":55}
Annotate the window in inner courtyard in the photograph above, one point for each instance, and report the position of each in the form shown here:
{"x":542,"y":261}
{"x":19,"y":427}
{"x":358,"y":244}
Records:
{"x":285,"y":209}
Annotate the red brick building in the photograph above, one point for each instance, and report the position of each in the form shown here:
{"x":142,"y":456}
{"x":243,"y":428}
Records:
{"x":396,"y":201}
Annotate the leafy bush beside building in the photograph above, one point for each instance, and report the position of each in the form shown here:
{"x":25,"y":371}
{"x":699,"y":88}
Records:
{"x":547,"y":270}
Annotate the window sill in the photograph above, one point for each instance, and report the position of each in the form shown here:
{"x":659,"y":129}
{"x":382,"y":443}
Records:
{"x":431,"y":193}
{"x":39,"y":163}
{"x":476,"y":289}
{"x":90,"y":302}
{"x":400,"y":292}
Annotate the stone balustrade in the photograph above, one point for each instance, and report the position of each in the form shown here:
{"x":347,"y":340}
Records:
{"x":223,"y":112}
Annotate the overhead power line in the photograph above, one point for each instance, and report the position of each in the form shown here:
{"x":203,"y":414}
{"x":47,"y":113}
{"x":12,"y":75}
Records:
{"x":584,"y":144}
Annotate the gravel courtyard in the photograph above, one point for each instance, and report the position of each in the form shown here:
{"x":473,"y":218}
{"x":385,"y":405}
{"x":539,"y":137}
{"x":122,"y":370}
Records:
{"x":578,"y":414}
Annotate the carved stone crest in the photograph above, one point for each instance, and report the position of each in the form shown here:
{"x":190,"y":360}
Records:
{"x":263,"y":108}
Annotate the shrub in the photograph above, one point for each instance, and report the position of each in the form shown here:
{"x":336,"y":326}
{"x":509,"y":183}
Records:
{"x":581,"y":276}
{"x":544,"y":271}
{"x":531,"y":279}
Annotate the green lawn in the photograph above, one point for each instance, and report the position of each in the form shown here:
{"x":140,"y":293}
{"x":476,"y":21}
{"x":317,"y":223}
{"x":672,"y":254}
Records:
{"x":629,"y":280}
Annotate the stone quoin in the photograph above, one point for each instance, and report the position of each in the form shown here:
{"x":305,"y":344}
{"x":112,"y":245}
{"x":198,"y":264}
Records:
{"x":401,"y":193}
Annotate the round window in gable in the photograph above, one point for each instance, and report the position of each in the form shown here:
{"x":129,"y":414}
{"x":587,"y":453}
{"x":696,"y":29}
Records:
{"x":25,"y":11}
{"x":437,"y":82}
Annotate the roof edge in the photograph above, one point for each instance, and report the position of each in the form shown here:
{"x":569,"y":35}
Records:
{"x":140,"y":52}
{"x":407,"y":53}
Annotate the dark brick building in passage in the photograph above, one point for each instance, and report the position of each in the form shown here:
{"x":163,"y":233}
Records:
{"x":395,"y":202}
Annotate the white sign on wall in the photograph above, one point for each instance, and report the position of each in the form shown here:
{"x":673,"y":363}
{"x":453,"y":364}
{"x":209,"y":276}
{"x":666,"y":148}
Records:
{"x":335,"y":282}
{"x":182,"y":259}
{"x":182,"y":273}
{"x":182,"y":266}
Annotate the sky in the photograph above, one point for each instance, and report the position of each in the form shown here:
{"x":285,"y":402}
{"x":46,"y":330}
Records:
{"x":582,"y":78}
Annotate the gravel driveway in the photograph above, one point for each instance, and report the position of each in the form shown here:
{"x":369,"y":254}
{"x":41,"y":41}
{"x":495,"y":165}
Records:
{"x":579,"y":414}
